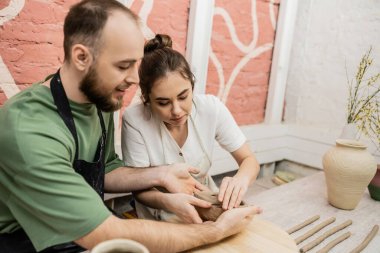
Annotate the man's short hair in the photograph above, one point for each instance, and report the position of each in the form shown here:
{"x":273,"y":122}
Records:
{"x":85,"y":22}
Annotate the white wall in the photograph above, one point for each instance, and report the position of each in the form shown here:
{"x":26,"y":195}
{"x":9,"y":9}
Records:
{"x":329,"y":35}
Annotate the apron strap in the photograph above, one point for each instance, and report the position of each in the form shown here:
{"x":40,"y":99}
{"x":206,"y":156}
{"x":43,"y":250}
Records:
{"x":63,"y":107}
{"x":64,"y":110}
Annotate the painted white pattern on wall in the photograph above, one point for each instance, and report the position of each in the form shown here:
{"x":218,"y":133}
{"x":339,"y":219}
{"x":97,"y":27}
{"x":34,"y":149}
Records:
{"x":250,"y":50}
{"x":254,"y":53}
{"x":127,"y":3}
{"x":11,"y":11}
{"x":231,"y":28}
{"x":144,"y":13}
{"x":7,"y":83}
{"x":272,"y":14}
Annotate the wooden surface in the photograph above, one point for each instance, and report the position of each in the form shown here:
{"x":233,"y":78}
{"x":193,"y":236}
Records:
{"x":261,"y":236}
{"x":290,"y":204}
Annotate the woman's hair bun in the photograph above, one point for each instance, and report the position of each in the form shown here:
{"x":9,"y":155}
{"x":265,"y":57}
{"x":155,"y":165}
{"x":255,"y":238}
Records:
{"x":158,"y":42}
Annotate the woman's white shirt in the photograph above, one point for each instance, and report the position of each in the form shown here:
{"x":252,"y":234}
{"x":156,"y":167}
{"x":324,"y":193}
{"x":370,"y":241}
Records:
{"x":147,"y":142}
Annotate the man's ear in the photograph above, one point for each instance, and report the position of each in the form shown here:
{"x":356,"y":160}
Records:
{"x":81,"y":57}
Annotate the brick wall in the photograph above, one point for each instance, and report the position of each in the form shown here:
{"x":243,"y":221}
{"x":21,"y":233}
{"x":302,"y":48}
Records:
{"x":242,"y":45}
{"x":31,"y":46}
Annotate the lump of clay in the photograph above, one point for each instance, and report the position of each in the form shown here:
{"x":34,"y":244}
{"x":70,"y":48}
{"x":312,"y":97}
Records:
{"x":212,"y":213}
{"x":209,"y":214}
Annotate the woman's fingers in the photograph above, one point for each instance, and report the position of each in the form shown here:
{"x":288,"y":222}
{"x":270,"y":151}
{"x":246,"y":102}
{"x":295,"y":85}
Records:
{"x":227,"y":196}
{"x":199,"y":202}
{"x":231,"y":192}
{"x":200,"y":186}
{"x":234,"y":196}
{"x":223,"y":188}
{"x":239,"y":198}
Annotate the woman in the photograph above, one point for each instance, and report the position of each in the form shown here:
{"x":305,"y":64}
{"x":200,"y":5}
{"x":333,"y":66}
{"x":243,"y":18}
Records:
{"x":173,"y":125}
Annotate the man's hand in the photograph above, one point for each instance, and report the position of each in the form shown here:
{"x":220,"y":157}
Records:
{"x":177,"y":179}
{"x":182,"y":205}
{"x":235,"y":220}
{"x":232,"y":191}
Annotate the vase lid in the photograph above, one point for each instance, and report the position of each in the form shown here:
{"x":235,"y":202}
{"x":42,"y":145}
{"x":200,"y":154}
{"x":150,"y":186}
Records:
{"x":350,"y":143}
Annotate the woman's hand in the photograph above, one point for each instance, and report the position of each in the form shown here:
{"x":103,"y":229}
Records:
{"x":232,"y":191}
{"x":182,"y":205}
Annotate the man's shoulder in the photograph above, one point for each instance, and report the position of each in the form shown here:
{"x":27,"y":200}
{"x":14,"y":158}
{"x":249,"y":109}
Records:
{"x":35,"y":100}
{"x":31,"y":110}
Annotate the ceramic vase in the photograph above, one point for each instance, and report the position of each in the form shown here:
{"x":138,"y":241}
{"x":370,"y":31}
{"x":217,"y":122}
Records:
{"x":374,"y":185}
{"x":348,"y":168}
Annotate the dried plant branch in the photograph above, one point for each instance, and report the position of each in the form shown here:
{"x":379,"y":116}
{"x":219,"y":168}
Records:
{"x":363,"y":100}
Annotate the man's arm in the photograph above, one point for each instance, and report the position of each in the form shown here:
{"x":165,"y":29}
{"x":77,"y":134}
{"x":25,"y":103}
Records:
{"x":169,"y":237}
{"x":174,"y":178}
{"x":181,"y":204}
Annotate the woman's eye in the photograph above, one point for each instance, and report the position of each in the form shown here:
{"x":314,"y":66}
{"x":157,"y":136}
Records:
{"x":163,"y":103}
{"x":183,"y":97}
{"x":124,"y":67}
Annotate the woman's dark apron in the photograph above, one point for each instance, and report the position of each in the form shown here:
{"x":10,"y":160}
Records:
{"x":92,"y":172}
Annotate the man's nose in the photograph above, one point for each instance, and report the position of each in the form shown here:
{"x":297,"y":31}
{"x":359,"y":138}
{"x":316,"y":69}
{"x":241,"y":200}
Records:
{"x":132,"y":76}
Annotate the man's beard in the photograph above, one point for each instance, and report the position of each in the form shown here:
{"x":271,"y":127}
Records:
{"x":91,"y":87}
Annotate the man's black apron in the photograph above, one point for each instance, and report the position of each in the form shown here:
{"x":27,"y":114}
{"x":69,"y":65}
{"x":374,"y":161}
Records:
{"x":92,"y":172}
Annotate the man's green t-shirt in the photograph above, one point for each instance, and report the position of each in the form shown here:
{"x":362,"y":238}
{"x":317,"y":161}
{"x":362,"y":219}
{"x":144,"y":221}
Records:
{"x":39,"y":189}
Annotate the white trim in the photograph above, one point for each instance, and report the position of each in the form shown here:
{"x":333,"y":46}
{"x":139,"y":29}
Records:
{"x":272,"y":143}
{"x":280,"y":61}
{"x":198,"y":40}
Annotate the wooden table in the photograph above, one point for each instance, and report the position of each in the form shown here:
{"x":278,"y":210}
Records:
{"x":290,"y":204}
{"x":260,"y":236}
